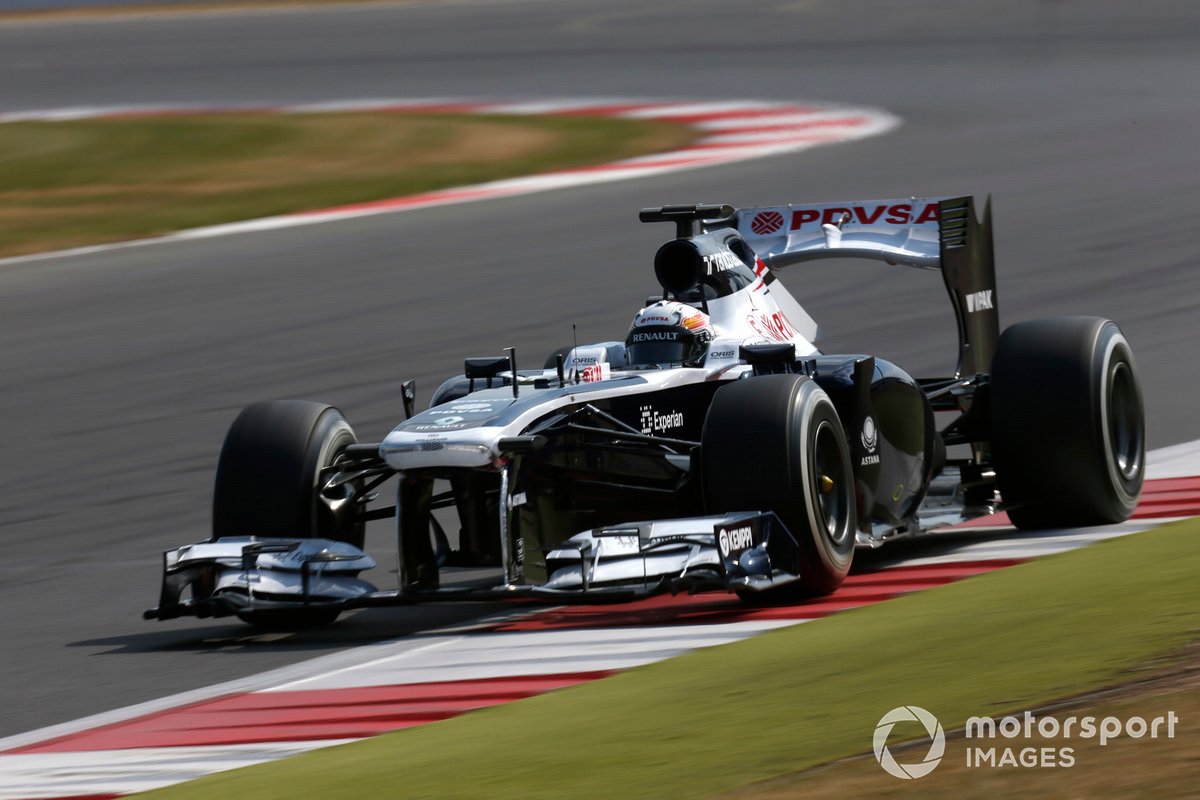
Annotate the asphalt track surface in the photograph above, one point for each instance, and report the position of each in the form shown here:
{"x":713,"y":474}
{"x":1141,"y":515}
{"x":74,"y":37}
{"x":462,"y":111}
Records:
{"x":122,"y":370}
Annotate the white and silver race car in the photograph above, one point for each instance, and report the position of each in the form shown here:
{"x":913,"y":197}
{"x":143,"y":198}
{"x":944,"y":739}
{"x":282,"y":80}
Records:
{"x":714,"y":448}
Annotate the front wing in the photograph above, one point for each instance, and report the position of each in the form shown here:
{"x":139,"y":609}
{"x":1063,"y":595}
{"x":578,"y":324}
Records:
{"x":248,"y":576}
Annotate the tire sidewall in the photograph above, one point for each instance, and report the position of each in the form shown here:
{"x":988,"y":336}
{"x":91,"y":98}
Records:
{"x":1114,"y":363}
{"x":817,"y":424}
{"x":331,"y":436}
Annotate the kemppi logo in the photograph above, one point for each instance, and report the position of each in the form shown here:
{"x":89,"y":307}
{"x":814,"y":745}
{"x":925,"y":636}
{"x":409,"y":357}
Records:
{"x":735,"y":539}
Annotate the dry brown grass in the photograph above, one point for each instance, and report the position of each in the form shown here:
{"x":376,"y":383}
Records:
{"x":69,"y":184}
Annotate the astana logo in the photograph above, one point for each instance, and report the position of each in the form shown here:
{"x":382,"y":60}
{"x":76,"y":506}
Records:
{"x":870,"y":436}
{"x":937,"y":742}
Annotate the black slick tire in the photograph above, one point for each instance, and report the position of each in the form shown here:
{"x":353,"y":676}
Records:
{"x":269,"y":484}
{"x":1068,"y":430}
{"x":775,"y":443}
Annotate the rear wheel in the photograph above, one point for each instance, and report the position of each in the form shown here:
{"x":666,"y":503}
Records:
{"x":1068,"y":435}
{"x":775,"y":443}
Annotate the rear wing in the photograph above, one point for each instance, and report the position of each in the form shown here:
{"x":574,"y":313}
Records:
{"x":928,"y":233}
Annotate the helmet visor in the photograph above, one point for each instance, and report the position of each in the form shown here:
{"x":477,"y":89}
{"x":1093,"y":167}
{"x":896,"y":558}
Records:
{"x":660,"y":352}
{"x":660,"y":344}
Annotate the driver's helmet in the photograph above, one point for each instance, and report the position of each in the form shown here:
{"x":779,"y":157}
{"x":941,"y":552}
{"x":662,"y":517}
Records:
{"x":668,"y":332}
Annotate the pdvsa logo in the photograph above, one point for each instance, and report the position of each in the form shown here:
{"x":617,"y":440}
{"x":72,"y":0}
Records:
{"x":937,"y":742}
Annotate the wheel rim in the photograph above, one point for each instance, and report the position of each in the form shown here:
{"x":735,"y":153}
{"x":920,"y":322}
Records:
{"x":1124,"y":432}
{"x":833,"y":503}
{"x":335,"y":507}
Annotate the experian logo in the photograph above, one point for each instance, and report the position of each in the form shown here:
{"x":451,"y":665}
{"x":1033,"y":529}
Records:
{"x":653,"y":421}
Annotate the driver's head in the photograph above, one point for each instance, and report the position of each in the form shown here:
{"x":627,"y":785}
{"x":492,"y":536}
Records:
{"x":666,"y":333}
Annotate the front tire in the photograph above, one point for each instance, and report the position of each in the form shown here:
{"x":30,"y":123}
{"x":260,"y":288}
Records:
{"x":775,"y":443}
{"x":1068,"y":433}
{"x":269,"y":474}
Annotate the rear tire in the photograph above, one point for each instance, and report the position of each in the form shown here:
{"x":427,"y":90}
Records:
{"x":1068,"y":434}
{"x":268,"y":477}
{"x":766,"y":444}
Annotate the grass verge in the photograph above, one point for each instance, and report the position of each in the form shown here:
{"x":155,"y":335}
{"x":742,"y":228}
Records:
{"x":788,"y":700}
{"x":1125,"y":766}
{"x":69,"y":184}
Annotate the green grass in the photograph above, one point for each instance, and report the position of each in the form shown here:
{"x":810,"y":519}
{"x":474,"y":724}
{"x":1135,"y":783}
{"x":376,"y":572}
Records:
{"x":82,"y":182}
{"x":787,"y":700}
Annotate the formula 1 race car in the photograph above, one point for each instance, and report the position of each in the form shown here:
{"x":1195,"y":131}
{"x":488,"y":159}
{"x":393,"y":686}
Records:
{"x":714,"y":448}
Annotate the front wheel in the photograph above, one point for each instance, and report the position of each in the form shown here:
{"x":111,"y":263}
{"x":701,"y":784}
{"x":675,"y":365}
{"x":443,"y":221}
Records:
{"x":775,"y":443}
{"x":269,"y":477}
{"x":1068,"y":434}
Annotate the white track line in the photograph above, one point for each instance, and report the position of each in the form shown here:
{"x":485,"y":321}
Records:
{"x":522,"y":653}
{"x":107,"y":772}
{"x":1177,"y":461}
{"x":1005,"y":543}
